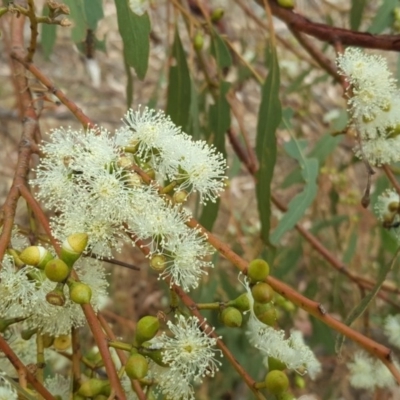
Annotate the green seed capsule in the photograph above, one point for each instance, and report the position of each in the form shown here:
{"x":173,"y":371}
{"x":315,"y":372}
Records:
{"x":146,"y":328}
{"x":262,"y":292}
{"x":137,"y":366}
{"x":258,"y":270}
{"x":232,"y":317}
{"x":276,"y":382}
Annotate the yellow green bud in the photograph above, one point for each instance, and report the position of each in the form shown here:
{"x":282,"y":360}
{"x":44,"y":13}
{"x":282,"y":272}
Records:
{"x":180,"y":197}
{"x":158,"y":263}
{"x":198,"y":41}
{"x":258,"y":270}
{"x":36,"y":255}
{"x":72,"y":247}
{"x":288,"y":306}
{"x":299,"y":381}
{"x":27,"y":334}
{"x":276,"y":382}
{"x":217,"y":14}
{"x":266,"y":313}
{"x":137,"y":366}
{"x":154,"y":354}
{"x":62,"y":342}
{"x":285,"y":396}
{"x":262,"y":292}
{"x":275,"y":364}
{"x":146,"y":328}
{"x":80,"y":293}
{"x":93,"y":387}
{"x":286,"y":3}
{"x":56,"y":270}
{"x":48,"y":340}
{"x":241,"y":302}
{"x":232,"y":317}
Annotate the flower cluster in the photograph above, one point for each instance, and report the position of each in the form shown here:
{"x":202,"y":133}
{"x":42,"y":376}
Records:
{"x":23,"y":292}
{"x":369,"y":373}
{"x":189,"y":355}
{"x":373,"y":102}
{"x":392,"y":329}
{"x":89,"y":178}
{"x":271,"y":342}
{"x":387,"y":208}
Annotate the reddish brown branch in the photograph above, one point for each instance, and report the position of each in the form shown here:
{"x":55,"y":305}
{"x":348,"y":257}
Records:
{"x":84,"y":119}
{"x":332,"y":34}
{"x":20,"y":367}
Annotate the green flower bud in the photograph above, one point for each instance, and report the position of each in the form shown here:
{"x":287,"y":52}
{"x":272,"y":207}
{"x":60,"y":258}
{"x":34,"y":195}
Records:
{"x":48,"y":340}
{"x":266,"y":313}
{"x":146,"y":328}
{"x":258,"y":270}
{"x":299,"y":381}
{"x":72,"y":247}
{"x":288,"y":306}
{"x":286,"y":3}
{"x":232,"y":317}
{"x":241,"y":302}
{"x":158,"y":263}
{"x":80,"y":293}
{"x":137,"y":366}
{"x":36,"y":255}
{"x":27,"y":334}
{"x":56,"y":270}
{"x":275,"y":364}
{"x":154,"y":354}
{"x":262,"y":292}
{"x":198,"y":41}
{"x":217,"y":14}
{"x":93,"y":387}
{"x":62,"y":342}
{"x":276,"y":382}
{"x":77,"y":396}
{"x":56,"y":297}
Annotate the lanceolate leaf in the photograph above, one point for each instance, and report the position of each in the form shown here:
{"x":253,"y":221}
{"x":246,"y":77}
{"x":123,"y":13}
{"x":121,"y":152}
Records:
{"x":135,"y":32}
{"x":179,"y":85}
{"x":220,"y":118}
{"x":77,"y":14}
{"x":220,"y":51}
{"x":356,"y":13}
{"x":48,"y":36}
{"x":94,"y":12}
{"x":269,"y":118}
{"x":300,"y":203}
{"x":383,"y":17}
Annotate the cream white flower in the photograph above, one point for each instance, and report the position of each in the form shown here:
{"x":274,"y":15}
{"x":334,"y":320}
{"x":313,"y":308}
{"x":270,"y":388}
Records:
{"x":190,"y":357}
{"x":392,"y":329}
{"x":369,"y":373}
{"x":60,"y":386}
{"x":7,"y":392}
{"x":272,"y":343}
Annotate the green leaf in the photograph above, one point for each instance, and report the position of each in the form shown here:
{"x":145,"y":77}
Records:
{"x":366,"y":301}
{"x":384,"y":17}
{"x":94,"y":12}
{"x":77,"y":15}
{"x":48,"y":35}
{"x":135,"y":32}
{"x":299,"y":204}
{"x":129,"y":85}
{"x":179,"y":85}
{"x":269,"y":118}
{"x":356,"y":13}
{"x":220,"y":117}
{"x":220,"y":51}
{"x":193,"y":127}
{"x":209,"y":214}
